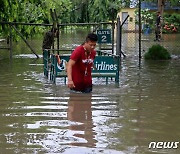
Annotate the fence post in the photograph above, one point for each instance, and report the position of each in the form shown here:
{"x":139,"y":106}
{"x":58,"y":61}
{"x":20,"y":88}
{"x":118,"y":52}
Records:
{"x":140,"y":29}
{"x":10,"y":42}
{"x":118,"y":47}
{"x":118,"y":37}
{"x":118,"y":69}
{"x":113,"y":27}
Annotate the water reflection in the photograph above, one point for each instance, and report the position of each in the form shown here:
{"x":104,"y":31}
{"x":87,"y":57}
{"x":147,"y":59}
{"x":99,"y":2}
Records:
{"x":79,"y":111}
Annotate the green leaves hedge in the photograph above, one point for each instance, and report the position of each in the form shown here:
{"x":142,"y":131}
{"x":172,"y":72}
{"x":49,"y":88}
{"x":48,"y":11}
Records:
{"x":157,"y":52}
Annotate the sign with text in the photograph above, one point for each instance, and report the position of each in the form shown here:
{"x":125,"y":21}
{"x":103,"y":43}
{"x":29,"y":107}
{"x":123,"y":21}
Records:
{"x":102,"y":64}
{"x":105,"y":64}
{"x":104,"y":36}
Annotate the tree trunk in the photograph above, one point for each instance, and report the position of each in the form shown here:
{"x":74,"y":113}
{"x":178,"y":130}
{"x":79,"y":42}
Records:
{"x":161,"y":4}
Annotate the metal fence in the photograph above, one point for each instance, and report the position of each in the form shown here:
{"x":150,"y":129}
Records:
{"x":130,"y":40}
{"x":72,"y":35}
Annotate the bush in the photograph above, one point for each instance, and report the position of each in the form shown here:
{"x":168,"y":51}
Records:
{"x":171,"y":21}
{"x":157,"y":52}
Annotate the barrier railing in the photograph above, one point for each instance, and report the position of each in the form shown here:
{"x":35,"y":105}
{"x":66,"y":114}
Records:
{"x":106,"y":65}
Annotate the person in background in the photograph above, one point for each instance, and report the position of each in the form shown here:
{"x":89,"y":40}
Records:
{"x":80,"y":65}
{"x":158,"y":27}
{"x":49,"y":39}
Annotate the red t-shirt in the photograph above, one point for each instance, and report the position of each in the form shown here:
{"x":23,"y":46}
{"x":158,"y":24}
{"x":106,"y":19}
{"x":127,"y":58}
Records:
{"x":81,"y":71}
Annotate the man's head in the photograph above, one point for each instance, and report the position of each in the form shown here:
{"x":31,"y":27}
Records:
{"x":90,"y":42}
{"x":91,"y":37}
{"x":158,"y":13}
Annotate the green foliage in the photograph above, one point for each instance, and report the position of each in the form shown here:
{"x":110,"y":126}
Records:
{"x":96,"y":10}
{"x":38,"y":11}
{"x":74,"y":11}
{"x":63,"y":7}
{"x":67,"y":10}
{"x":31,"y":11}
{"x":21,"y":11}
{"x":157,"y":52}
{"x":147,"y":17}
{"x":105,"y":10}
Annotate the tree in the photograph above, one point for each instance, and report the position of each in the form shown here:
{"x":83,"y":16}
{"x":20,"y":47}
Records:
{"x":161,"y":4}
{"x":63,"y":7}
{"x":31,"y":11}
{"x":20,"y":11}
{"x":96,"y":10}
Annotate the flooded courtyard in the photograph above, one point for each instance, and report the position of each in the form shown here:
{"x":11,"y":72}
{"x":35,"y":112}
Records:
{"x":37,"y":116}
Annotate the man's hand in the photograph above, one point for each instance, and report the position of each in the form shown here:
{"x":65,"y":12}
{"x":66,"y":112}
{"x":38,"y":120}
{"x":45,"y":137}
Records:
{"x":71,"y":84}
{"x":69,"y":73}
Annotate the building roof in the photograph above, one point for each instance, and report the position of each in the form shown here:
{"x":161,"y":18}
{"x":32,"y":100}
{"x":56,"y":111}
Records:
{"x":154,"y":6}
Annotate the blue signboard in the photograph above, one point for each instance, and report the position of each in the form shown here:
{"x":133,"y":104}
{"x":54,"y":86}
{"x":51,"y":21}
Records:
{"x":104,"y":36}
{"x":104,"y":66}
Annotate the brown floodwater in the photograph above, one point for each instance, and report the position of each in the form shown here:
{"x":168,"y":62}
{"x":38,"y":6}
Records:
{"x":37,"y":116}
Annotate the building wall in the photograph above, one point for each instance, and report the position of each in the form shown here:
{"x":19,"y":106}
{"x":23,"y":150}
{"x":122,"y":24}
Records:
{"x":130,"y":24}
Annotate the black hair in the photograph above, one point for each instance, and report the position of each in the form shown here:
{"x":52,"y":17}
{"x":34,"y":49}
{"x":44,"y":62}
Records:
{"x":91,"y":37}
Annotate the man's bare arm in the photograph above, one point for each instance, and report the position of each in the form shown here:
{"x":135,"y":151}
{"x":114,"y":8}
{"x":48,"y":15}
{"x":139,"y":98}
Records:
{"x":69,"y":73}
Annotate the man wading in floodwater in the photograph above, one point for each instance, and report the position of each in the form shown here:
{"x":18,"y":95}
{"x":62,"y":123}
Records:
{"x":80,"y":65}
